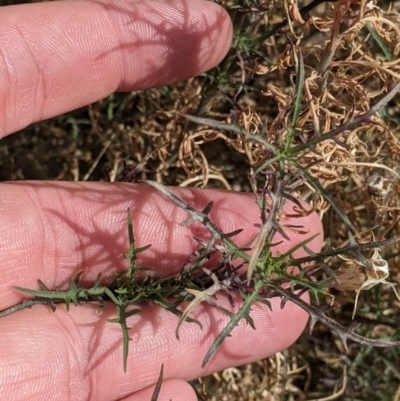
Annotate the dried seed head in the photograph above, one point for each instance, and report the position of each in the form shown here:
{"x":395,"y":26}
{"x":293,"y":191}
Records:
{"x":359,"y":277}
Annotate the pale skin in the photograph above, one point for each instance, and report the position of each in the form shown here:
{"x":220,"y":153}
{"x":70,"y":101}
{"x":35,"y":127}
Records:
{"x":62,"y":55}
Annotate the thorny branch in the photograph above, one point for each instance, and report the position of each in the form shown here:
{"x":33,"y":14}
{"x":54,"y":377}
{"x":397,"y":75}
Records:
{"x":261,"y":288}
{"x":319,"y":315}
{"x":267,"y":281}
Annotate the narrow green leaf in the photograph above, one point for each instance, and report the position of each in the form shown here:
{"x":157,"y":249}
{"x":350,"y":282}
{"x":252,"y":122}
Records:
{"x":300,"y":245}
{"x":131,"y":253}
{"x":299,"y":62}
{"x":379,"y":42}
{"x":244,"y":310}
{"x":157,"y":389}
{"x":215,"y":124}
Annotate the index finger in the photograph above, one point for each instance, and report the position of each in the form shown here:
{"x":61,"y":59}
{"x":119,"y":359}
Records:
{"x":58,"y":56}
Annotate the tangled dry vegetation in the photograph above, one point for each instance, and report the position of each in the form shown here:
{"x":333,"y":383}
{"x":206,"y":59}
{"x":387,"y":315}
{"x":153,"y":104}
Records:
{"x":348,"y":53}
{"x":307,"y":94}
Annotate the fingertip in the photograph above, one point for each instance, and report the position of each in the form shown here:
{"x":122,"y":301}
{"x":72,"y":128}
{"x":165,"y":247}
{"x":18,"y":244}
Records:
{"x":89,"y":49}
{"x":201,"y":38}
{"x":221,"y":38}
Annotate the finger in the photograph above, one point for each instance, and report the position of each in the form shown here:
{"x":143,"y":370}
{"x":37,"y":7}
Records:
{"x":53,"y":230}
{"x":177,"y":390}
{"x":77,"y":355}
{"x":58,"y":56}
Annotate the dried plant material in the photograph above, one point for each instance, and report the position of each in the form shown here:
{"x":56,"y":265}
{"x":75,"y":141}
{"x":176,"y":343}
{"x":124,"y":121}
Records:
{"x":358,"y":277}
{"x":295,"y":13}
{"x":384,"y":191}
{"x":200,"y":296}
{"x":285,"y":61}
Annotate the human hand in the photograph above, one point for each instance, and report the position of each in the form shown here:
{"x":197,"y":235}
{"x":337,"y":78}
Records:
{"x":59,"y":56}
